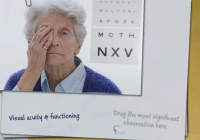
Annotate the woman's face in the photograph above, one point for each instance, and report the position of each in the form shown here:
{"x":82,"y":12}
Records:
{"x":64,"y":44}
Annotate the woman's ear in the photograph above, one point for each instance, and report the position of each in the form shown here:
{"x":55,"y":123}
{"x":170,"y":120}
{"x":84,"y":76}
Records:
{"x":78,"y":47}
{"x":28,"y":42}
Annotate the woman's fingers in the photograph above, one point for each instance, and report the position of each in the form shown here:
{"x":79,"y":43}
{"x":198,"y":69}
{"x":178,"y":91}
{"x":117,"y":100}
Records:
{"x":46,"y":38}
{"x":41,"y":35}
{"x":48,"y":43}
{"x":40,"y":30}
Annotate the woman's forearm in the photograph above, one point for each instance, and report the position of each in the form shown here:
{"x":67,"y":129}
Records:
{"x":29,"y":79}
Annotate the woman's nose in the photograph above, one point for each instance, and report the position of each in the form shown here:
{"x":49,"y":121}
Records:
{"x":55,"y":41}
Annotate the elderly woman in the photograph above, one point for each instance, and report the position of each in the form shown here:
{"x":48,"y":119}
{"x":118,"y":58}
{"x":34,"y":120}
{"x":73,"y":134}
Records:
{"x":55,"y":32}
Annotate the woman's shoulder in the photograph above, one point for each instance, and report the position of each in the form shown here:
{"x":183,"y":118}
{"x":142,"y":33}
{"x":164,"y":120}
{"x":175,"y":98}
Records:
{"x":95,"y":82}
{"x":13,"y":79}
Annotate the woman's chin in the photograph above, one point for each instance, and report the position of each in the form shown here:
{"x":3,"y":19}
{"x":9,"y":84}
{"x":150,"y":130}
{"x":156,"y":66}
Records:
{"x":53,"y":63}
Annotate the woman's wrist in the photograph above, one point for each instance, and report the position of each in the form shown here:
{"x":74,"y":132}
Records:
{"x":34,"y":69}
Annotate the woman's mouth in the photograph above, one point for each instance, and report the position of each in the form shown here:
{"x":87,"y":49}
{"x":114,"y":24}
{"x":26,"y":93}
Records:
{"x":53,"y":53}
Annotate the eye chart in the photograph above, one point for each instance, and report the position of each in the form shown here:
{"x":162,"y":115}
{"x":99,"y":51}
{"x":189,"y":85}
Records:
{"x":117,"y":42}
{"x":117,"y":31}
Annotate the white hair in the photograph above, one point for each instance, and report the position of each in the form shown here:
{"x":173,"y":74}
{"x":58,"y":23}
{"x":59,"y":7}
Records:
{"x":69,"y":8}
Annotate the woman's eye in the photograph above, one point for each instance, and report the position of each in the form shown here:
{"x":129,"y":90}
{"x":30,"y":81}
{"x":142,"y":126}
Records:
{"x":64,"y":33}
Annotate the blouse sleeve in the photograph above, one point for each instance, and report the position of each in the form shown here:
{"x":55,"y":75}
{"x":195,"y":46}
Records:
{"x":16,"y":88}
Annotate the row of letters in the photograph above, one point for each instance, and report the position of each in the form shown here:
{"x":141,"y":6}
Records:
{"x":118,"y":2}
{"x":117,"y":11}
{"x":121,"y":35}
{"x":117,"y":21}
{"x":103,"y":52}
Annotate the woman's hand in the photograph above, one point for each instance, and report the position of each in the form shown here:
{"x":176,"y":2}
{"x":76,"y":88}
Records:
{"x":37,"y":48}
{"x":36,"y":58}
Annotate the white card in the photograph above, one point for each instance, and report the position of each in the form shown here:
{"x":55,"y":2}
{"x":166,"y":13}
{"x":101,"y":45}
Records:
{"x":51,"y":110}
{"x":25,"y":137}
